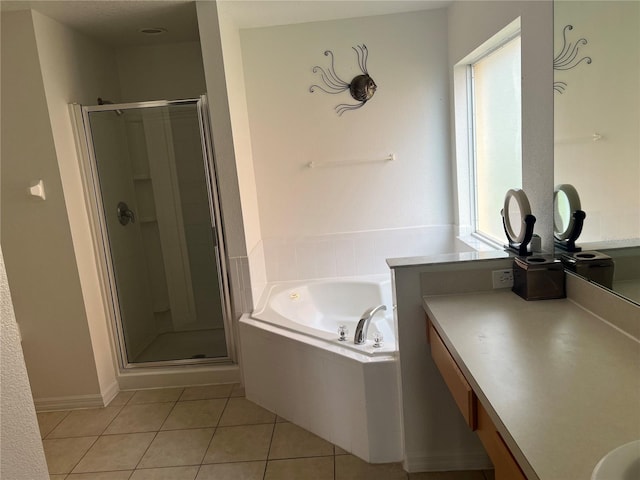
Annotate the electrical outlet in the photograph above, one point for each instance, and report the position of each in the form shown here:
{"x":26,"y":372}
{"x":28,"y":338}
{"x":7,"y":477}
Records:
{"x":502,"y":278}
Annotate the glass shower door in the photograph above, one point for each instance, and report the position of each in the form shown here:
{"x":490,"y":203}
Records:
{"x":156,"y":195}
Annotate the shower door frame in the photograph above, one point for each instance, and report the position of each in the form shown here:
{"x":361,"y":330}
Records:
{"x":98,"y":226}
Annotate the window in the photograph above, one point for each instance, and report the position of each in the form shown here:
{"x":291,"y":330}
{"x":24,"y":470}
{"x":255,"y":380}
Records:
{"x":488,"y":132}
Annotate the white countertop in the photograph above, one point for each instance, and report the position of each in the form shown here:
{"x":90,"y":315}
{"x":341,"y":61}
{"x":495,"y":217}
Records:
{"x":561,"y":384}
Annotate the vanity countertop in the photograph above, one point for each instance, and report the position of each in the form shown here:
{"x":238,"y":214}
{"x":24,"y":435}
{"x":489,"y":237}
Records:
{"x":561,"y":385}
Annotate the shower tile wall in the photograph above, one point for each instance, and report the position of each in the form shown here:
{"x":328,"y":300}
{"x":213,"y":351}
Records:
{"x":241,"y":291}
{"x":349,"y":254}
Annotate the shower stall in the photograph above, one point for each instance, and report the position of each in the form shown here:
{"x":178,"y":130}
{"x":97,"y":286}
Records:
{"x":152,"y":187}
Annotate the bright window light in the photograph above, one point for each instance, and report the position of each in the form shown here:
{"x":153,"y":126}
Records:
{"x":488,"y":139}
{"x":497,"y":155}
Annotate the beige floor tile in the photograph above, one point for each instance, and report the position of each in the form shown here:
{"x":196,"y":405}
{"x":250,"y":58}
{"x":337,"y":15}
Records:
{"x":291,"y":441}
{"x":158,"y":395}
{"x":83,"y":423}
{"x":122,"y":398}
{"x":319,"y":468}
{"x":119,"y":475}
{"x":458,"y":475}
{"x":166,"y":473}
{"x":238,"y":390}
{"x":47,"y":421}
{"x":115,"y":452}
{"x":62,"y":476}
{"x":239,"y":444}
{"x":349,"y":467}
{"x":280,"y":419}
{"x":177,"y":448}
{"x":240,"y":411}
{"x":195,"y":414}
{"x":232,"y":471}
{"x":207,"y":391}
{"x":63,"y":454}
{"x":140,"y":418}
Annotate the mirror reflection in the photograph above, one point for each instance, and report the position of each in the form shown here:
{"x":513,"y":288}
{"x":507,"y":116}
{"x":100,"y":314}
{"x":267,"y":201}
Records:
{"x":515,"y":217}
{"x":597,"y":127}
{"x":561,"y":212}
{"x":568,"y":217}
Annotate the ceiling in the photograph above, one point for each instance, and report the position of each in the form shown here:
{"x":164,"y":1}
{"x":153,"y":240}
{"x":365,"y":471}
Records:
{"x":117,"y":22}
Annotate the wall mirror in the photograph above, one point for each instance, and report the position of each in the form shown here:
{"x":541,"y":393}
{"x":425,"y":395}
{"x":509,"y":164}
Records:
{"x":597,"y":126}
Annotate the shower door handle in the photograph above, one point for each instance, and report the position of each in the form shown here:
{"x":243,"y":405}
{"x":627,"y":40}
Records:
{"x":125,"y":214}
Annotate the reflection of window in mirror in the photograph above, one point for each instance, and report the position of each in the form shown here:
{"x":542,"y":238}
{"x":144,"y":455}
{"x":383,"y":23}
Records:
{"x":515,"y":216}
{"x":561,"y":212}
{"x":488,"y":132}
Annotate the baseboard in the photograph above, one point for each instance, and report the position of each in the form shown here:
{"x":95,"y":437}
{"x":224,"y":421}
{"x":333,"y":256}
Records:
{"x":74,"y":402}
{"x":143,"y":379}
{"x":447,"y":462}
{"x":110,"y":393}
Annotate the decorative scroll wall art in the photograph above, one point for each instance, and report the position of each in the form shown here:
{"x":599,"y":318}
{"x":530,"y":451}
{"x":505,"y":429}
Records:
{"x":362,"y":87}
{"x":568,"y":57}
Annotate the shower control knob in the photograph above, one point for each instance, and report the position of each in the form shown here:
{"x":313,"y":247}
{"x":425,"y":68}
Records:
{"x":125,"y":214}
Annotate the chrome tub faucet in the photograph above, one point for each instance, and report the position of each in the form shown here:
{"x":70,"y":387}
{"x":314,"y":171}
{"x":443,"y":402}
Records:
{"x":363,"y":324}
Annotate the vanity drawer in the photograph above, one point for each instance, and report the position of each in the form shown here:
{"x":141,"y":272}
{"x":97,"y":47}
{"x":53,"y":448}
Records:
{"x":504,"y":464}
{"x":453,"y":377}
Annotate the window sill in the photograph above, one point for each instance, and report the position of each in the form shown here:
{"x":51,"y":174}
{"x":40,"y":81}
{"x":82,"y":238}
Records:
{"x":480,"y":243}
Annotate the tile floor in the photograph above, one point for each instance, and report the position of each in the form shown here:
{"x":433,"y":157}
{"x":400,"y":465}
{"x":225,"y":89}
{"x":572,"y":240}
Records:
{"x":199,"y":433}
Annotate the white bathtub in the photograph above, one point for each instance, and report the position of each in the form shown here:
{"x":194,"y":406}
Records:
{"x":317,"y":308}
{"x":294,"y":365}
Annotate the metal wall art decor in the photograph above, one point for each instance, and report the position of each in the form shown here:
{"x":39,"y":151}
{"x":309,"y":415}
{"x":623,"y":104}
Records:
{"x":568,"y":57}
{"x":362,"y":87}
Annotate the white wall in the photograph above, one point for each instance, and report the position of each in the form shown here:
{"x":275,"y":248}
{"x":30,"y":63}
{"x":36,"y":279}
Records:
{"x":21,"y":452}
{"x":430,"y":439}
{"x":342,"y":220}
{"x":471,"y":23}
{"x":234,"y":74}
{"x":76,"y":69}
{"x":602,"y":97}
{"x":160,"y":72}
{"x":225,"y":158}
{"x":36,"y":235}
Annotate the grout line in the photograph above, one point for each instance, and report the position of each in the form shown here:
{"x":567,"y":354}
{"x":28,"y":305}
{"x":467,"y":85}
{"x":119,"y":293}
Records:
{"x":274,"y":423}
{"x":112,"y":420}
{"x":168,"y":415}
{"x":55,"y":426}
{"x":215,"y":429}
{"x":273,"y":432}
{"x":146,"y":450}
{"x":83,"y":455}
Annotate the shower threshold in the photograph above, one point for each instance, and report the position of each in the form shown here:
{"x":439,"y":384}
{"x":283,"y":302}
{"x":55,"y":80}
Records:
{"x":193,"y":344}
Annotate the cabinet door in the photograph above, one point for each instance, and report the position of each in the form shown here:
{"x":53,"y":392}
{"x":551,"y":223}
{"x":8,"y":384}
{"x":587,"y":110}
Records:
{"x":453,"y":377}
{"x":506,"y":467}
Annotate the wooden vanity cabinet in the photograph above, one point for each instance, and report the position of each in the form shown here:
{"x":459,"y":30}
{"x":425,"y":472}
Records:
{"x":506,"y":467}
{"x":458,"y":386}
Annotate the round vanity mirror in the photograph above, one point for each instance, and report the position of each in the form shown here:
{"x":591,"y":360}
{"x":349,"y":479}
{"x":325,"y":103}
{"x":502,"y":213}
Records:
{"x":565,"y":203}
{"x":516,"y":209}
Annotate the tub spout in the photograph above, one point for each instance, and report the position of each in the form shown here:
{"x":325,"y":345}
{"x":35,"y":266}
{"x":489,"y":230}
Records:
{"x":363,"y":324}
